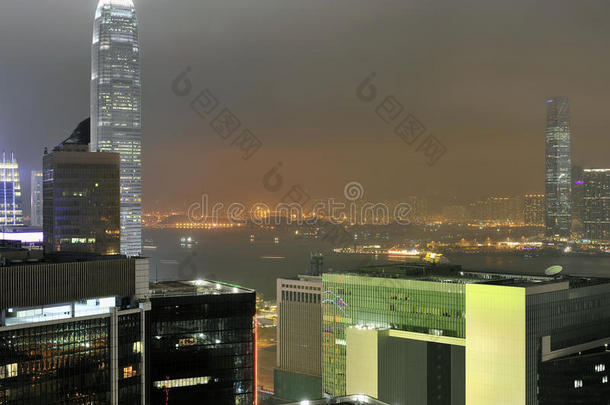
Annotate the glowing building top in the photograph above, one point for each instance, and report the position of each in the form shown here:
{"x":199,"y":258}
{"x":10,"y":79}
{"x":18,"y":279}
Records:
{"x":10,"y":192}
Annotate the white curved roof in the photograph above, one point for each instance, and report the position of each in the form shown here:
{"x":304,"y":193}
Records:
{"x":120,"y":3}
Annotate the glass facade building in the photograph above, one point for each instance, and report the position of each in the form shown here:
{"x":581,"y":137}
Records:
{"x":558,"y":172}
{"x":427,"y":307}
{"x":202,"y":343}
{"x":71,"y":330}
{"x":81,"y":202}
{"x":11,"y":213}
{"x":596,"y":202}
{"x":437,"y":334}
{"x":116,"y":124}
{"x":67,"y":362}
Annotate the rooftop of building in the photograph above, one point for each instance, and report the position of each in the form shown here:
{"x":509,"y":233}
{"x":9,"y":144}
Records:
{"x":194,"y":287}
{"x":81,"y":136}
{"x":12,"y":254}
{"x":346,"y":400}
{"x":448,"y":273}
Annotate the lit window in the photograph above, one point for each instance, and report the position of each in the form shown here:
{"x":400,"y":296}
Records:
{"x":605,"y":379}
{"x":600,"y":367}
{"x":137,"y":347}
{"x":577,"y":383}
{"x":8,"y":371}
{"x":128,"y":372}
{"x":181,"y":382}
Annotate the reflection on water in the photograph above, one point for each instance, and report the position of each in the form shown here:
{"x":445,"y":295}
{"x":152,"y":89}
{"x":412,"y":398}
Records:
{"x":252,"y":258}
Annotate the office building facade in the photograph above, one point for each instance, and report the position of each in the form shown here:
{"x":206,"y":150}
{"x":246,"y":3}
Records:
{"x":116,"y":122}
{"x":298,"y":375}
{"x":419,"y":334}
{"x":596,"y":204}
{"x":558,"y":169}
{"x":81,"y":198}
{"x":36,"y":198}
{"x":202,"y":343}
{"x":72,"y":331}
{"x":11,"y":213}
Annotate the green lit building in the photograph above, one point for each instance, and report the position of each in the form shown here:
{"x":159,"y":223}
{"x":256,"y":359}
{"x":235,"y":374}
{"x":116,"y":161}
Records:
{"x":433,"y":334}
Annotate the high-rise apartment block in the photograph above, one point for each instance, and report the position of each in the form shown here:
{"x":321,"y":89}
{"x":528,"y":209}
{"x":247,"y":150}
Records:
{"x":298,"y":375}
{"x":36,"y":198}
{"x":433,"y":334}
{"x":596,"y":204}
{"x":578,"y":194}
{"x":533,"y":209}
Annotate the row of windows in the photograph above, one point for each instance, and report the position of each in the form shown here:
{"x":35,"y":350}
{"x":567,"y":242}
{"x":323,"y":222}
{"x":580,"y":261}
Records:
{"x":308,"y":298}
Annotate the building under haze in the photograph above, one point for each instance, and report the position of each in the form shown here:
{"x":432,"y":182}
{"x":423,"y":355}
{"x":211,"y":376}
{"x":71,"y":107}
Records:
{"x":11,"y":213}
{"x":202,"y":343}
{"x":81,"y":197}
{"x":533,"y":209}
{"x":596,"y":199}
{"x":116,"y":124}
{"x":578,"y":208}
{"x":436,"y":334}
{"x":72,"y":328}
{"x":558,"y":169}
{"x":298,"y":375}
{"x":36,"y":198}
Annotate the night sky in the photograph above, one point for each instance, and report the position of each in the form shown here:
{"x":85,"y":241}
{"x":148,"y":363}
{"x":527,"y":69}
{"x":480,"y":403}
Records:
{"x":476,"y":73}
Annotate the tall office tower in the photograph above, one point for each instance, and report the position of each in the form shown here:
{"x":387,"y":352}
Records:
{"x":439,"y":334}
{"x":596,"y":199}
{"x":533,"y":209}
{"x":558,"y":169}
{"x":81,"y":197}
{"x":36,"y":198}
{"x":116,"y":108}
{"x":202,"y":343}
{"x":298,"y":375}
{"x":72,"y":329}
{"x":10,"y":192}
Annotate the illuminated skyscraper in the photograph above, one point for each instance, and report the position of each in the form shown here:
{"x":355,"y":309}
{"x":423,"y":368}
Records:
{"x":558,"y":169}
{"x":10,"y":192}
{"x":116,"y":107}
{"x":36,"y":198}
